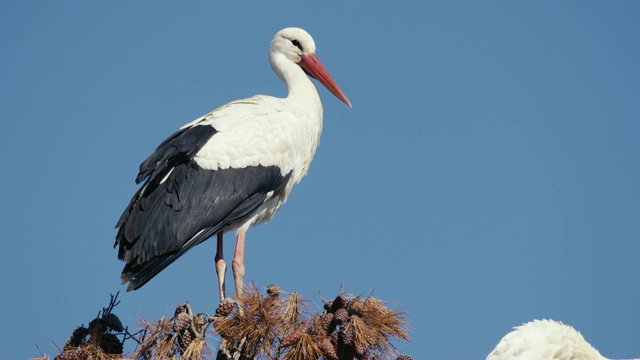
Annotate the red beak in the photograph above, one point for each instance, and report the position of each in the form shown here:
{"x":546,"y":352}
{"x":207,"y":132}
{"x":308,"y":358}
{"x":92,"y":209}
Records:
{"x":312,"y":65}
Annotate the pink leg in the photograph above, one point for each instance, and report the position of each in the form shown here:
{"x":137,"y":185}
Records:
{"x":238,"y":261}
{"x":221,"y":267}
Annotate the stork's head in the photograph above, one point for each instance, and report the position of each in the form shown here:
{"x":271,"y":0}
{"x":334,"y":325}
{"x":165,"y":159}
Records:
{"x":294,"y":43}
{"x":298,"y":46}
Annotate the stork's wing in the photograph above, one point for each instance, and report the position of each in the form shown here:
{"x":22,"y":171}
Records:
{"x":181,"y":204}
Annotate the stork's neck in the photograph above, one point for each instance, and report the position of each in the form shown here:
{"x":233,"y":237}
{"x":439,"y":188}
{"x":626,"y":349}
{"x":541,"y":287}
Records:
{"x":302,"y":93}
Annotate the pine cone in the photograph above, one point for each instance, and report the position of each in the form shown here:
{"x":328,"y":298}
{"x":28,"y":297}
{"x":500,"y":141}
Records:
{"x":97,"y":326}
{"x":80,"y":333}
{"x":180,"y":309}
{"x":225,"y":307}
{"x":404,"y":357}
{"x":293,"y":337}
{"x":341,"y":316}
{"x":347,"y":334}
{"x":73,"y":355}
{"x":181,"y":321}
{"x":110,"y":344}
{"x":70,"y":345}
{"x":328,"y":349}
{"x":338,"y":303}
{"x":362,"y":353}
{"x":113,"y":322}
{"x":326,"y":323}
{"x":184,"y":339}
{"x":78,"y":338}
{"x":328,"y":305}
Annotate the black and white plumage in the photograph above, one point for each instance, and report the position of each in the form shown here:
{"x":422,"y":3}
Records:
{"x":229,"y":169}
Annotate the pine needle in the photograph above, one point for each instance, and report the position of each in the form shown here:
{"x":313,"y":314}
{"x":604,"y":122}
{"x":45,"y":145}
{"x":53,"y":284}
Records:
{"x":255,"y":323}
{"x":292,"y":310}
{"x":379,"y":325}
{"x":159,"y":343}
{"x":305,"y":349}
{"x":197,"y":350}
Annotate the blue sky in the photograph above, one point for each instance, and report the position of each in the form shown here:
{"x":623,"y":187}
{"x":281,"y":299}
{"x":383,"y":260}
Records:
{"x":487,"y":174}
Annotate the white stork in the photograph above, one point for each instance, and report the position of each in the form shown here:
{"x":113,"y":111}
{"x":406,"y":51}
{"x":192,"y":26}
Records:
{"x":230,"y":169}
{"x":544,"y":340}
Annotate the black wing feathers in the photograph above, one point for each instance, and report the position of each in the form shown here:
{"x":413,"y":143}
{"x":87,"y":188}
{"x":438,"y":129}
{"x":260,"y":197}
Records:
{"x":181,"y":204}
{"x":180,"y":147}
{"x":177,"y":148}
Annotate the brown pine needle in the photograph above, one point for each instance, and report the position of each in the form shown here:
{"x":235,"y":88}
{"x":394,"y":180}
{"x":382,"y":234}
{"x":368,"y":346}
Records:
{"x":158,"y":343}
{"x":305,"y":349}
{"x":197,"y":350}
{"x":256,"y":322}
{"x":382,"y":325}
{"x":292,"y":310}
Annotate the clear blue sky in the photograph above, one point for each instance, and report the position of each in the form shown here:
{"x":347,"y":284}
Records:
{"x":487,"y":175}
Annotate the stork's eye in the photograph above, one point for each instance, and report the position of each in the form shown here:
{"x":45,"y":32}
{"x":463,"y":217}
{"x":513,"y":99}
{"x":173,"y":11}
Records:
{"x":296,"y":43}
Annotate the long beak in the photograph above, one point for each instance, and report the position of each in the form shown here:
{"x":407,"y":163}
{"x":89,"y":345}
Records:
{"x":312,"y":65}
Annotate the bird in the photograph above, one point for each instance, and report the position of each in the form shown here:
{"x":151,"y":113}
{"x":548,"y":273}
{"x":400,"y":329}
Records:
{"x":544,"y":340}
{"x":227,"y":170}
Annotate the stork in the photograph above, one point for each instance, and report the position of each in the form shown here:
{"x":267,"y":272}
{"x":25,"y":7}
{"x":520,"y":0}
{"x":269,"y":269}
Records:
{"x":544,"y":340}
{"x":227,"y":170}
